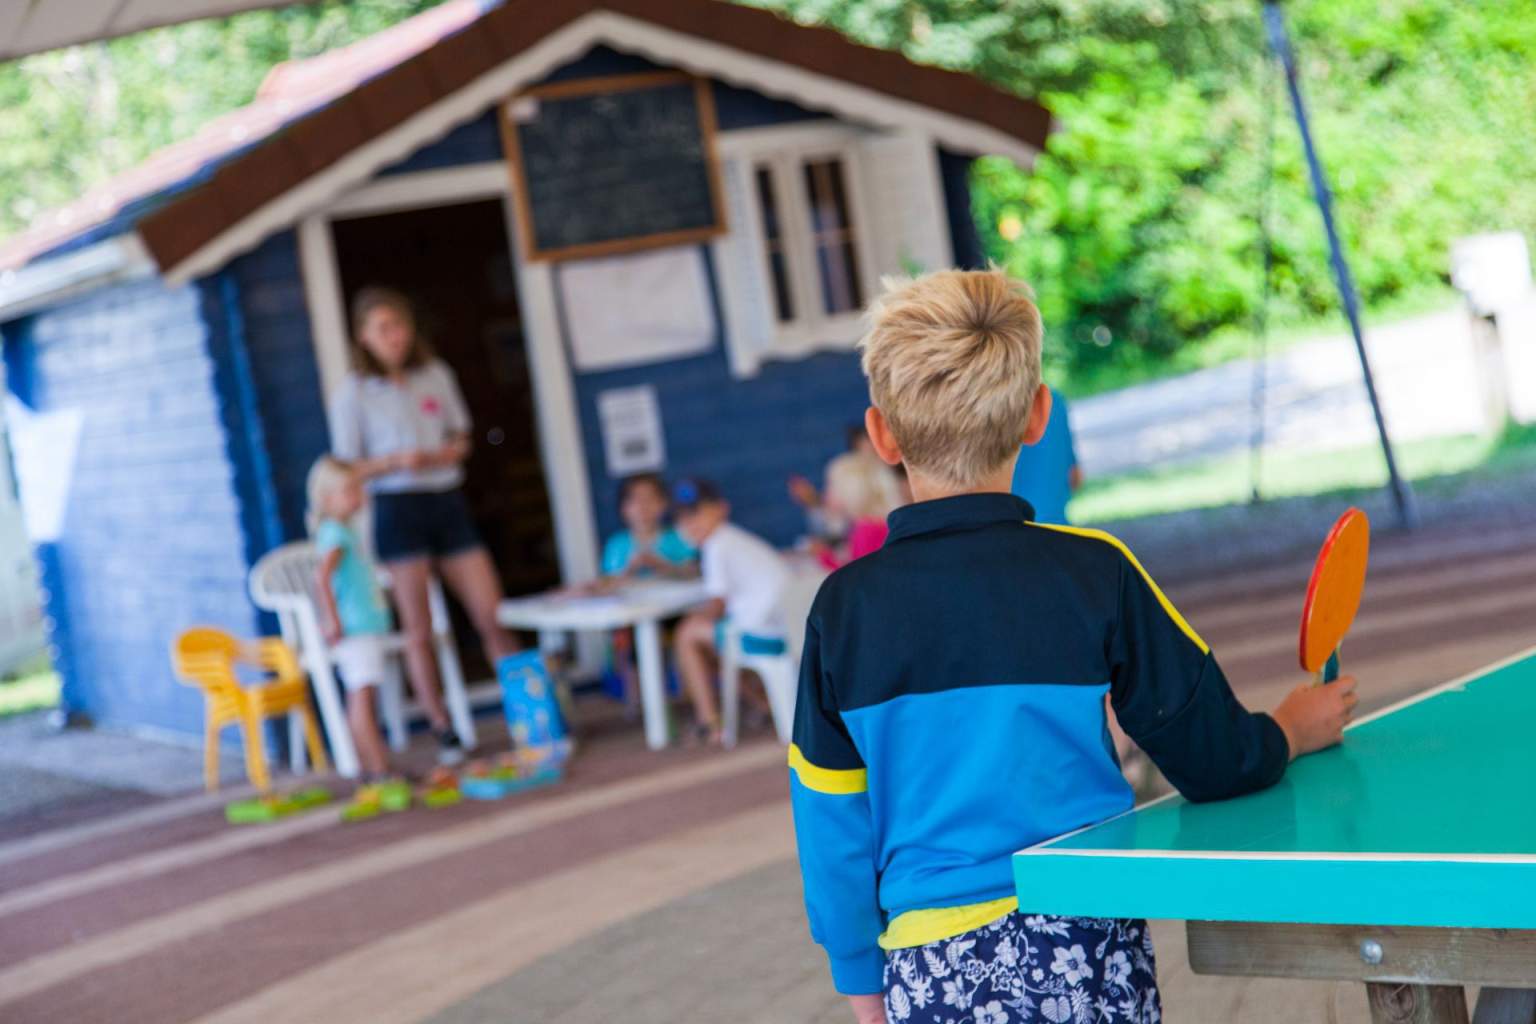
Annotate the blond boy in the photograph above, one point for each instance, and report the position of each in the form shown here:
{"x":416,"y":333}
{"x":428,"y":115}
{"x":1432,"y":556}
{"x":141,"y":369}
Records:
{"x":951,"y":705}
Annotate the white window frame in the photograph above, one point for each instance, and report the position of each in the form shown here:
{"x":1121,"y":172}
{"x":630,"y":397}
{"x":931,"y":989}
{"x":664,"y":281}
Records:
{"x":785,"y":150}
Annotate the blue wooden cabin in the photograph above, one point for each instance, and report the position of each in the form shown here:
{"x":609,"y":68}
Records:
{"x":688,"y":298}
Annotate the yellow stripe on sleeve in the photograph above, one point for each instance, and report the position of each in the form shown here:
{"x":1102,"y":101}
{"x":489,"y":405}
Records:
{"x":1162,"y":599}
{"x":834,"y":781}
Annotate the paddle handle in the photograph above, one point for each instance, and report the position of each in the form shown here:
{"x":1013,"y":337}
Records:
{"x":1330,"y":670}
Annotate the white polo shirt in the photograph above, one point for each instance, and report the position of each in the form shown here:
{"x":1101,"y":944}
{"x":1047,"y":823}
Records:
{"x":746,"y":573}
{"x":373,"y":416}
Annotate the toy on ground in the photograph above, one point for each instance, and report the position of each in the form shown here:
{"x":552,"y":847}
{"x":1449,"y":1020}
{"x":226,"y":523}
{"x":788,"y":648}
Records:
{"x":1333,"y":594}
{"x":533,"y":713}
{"x":507,"y":774}
{"x":388,"y":797}
{"x":441,"y":788}
{"x":272,"y":806}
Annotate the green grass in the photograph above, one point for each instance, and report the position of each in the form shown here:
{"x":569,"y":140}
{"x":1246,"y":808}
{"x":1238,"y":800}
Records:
{"x":1225,"y":345}
{"x":37,"y":687}
{"x":1226,"y":480}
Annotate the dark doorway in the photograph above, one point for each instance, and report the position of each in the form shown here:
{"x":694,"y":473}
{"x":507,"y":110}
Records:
{"x":455,"y":263}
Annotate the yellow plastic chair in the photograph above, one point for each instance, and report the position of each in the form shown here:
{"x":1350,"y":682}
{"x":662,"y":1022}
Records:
{"x":206,"y":657}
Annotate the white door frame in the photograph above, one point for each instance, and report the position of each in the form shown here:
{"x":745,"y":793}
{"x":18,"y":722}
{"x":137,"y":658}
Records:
{"x":554,"y":393}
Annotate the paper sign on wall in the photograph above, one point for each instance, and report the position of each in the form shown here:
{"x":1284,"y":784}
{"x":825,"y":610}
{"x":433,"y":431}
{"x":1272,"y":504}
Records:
{"x":641,"y":308}
{"x":630,"y":419}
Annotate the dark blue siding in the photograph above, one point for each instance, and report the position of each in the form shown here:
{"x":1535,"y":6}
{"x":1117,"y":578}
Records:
{"x":152,"y":539}
{"x":747,"y":435}
{"x":246,"y":441}
{"x":268,"y":291}
{"x":473,"y":142}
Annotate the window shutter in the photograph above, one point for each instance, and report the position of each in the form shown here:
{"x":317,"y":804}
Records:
{"x":904,"y":196}
{"x":742,"y":275}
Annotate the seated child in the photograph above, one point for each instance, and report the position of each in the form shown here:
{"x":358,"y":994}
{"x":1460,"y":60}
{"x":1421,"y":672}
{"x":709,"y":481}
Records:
{"x":862,"y":491}
{"x":353,"y":613}
{"x":823,"y":522}
{"x":745,"y":578}
{"x":645,"y":548}
{"x":951,"y":703}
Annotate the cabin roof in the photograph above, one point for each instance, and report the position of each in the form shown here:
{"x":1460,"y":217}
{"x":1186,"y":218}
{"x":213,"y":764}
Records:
{"x":321,"y":125}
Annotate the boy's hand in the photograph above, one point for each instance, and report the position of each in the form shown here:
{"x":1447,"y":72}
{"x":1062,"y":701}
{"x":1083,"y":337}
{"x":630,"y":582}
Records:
{"x":332,"y":631}
{"x":868,"y":1009}
{"x":1313,"y":717}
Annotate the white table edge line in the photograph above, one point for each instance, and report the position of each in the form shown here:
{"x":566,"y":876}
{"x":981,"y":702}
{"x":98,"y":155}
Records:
{"x":1421,"y":858}
{"x":1435,"y":691}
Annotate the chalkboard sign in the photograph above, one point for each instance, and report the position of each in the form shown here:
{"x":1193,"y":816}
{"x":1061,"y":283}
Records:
{"x":610,"y":165}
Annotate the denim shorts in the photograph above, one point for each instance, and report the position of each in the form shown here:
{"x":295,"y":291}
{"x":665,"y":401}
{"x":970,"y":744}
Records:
{"x":422,"y":524}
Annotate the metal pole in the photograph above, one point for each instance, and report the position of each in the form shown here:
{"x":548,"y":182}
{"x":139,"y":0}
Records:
{"x":1279,"y":41}
{"x":1261,"y":322}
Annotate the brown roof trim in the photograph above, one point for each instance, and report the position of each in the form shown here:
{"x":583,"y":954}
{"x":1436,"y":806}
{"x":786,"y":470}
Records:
{"x":290,"y":156}
{"x":829,"y":52}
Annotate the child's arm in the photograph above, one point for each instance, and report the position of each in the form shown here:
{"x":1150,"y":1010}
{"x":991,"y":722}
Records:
{"x":330,"y":621}
{"x":455,"y":451}
{"x":829,"y":795}
{"x":663,"y":568}
{"x":366,"y":468}
{"x":1172,"y":698}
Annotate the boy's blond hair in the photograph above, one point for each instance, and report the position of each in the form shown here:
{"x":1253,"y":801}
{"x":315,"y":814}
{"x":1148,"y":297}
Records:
{"x":953,"y":361}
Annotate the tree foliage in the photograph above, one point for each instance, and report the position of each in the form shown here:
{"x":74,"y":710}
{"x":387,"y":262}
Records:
{"x":74,"y":117}
{"x":1138,"y":227}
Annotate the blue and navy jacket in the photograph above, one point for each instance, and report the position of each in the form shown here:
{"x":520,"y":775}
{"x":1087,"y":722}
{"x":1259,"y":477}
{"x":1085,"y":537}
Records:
{"x":951,"y":712}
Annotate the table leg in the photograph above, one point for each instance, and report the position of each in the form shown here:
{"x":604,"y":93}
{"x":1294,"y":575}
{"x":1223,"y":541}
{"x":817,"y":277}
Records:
{"x":552,"y":642}
{"x":653,"y":686}
{"x":1393,"y":1003}
{"x":1505,"y":1006}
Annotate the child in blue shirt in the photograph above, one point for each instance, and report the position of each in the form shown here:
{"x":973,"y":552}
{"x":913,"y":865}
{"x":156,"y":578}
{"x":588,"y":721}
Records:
{"x":647,"y":547}
{"x":952,"y":696}
{"x":353,"y":613}
{"x":1046,"y":473}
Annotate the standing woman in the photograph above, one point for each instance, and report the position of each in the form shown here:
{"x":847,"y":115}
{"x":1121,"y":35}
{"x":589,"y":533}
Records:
{"x":401,"y":423}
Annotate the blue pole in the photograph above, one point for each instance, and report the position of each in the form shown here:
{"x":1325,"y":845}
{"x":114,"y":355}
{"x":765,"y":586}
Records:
{"x":1279,"y":42}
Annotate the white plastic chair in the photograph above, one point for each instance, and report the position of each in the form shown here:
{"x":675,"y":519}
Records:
{"x":282,"y":582}
{"x":780,"y":673}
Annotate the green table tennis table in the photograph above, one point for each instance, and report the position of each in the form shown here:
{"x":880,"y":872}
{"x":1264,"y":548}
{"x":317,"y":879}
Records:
{"x":1404,"y":858}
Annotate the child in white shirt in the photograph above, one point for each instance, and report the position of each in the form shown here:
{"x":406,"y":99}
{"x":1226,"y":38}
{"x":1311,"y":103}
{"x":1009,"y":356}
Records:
{"x":745,"y":578}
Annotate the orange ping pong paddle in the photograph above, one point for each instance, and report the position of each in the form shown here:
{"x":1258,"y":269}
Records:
{"x":1333,"y":594}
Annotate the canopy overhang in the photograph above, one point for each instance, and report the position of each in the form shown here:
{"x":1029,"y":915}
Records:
{"x":31,"y":26}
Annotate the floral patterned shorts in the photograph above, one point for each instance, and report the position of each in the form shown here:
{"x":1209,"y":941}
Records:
{"x":1023,"y":969}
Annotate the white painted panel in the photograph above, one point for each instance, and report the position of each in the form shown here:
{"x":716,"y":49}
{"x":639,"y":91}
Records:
{"x":742,"y":274}
{"x":326,"y":305}
{"x":904,"y":197}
